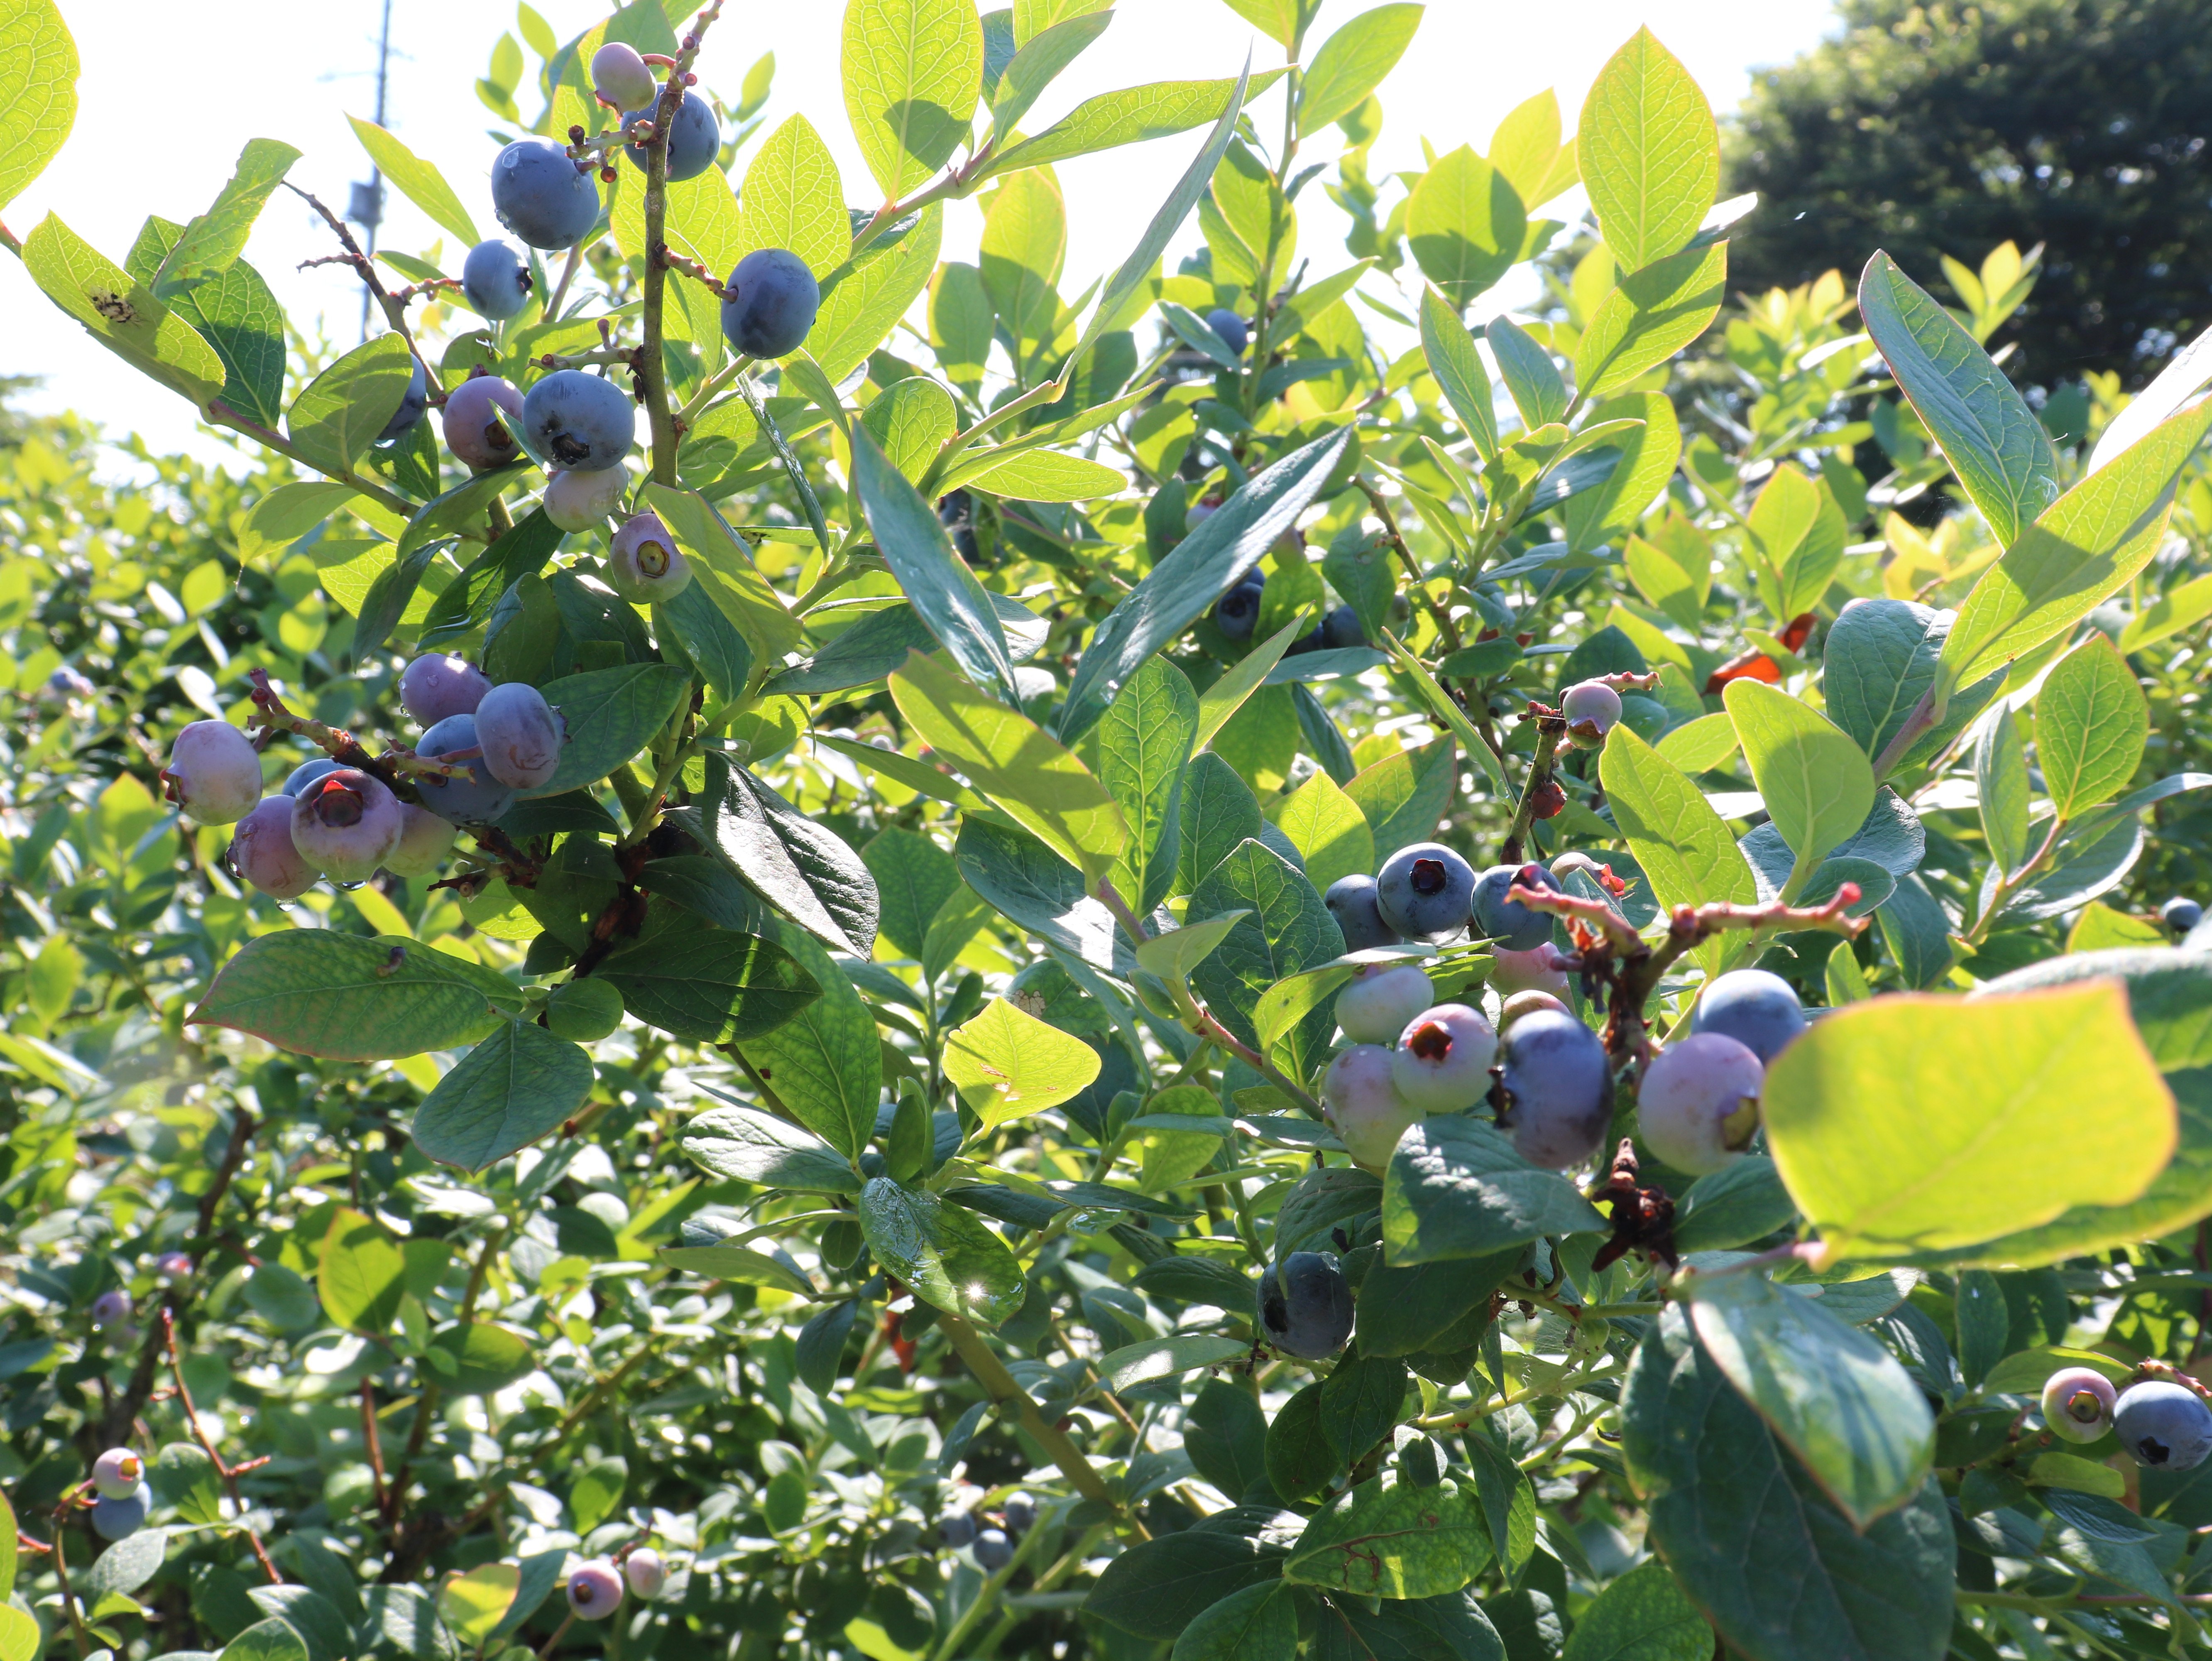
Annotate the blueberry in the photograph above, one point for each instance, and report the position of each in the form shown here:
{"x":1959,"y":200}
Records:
{"x":1758,"y":1010}
{"x":645,"y":566}
{"x":583,"y":1011}
{"x":520,"y":734}
{"x":1305,"y":1306}
{"x":1529,"y":1002}
{"x":1509,"y":922}
{"x":1351,"y":902}
{"x":1312,"y":640}
{"x":2163,"y":1425}
{"x":1021,"y":1514}
{"x":2181,"y":914}
{"x":213,"y":773}
{"x":438,"y":685}
{"x":2077,"y":1405}
{"x":770,"y":305}
{"x":1231,"y":329}
{"x":1237,"y":611}
{"x":1698,"y":1104}
{"x":1441,"y":1064}
{"x":315,"y":767}
{"x":1424,"y":892}
{"x":994,"y":1551}
{"x":1559,"y":1089}
{"x":1536,"y":970}
{"x":416,"y":401}
{"x":620,"y":76}
{"x":644,"y":1571}
{"x":955,"y":508}
{"x":117,"y":1473}
{"x":595,"y":1590}
{"x":476,"y":800}
{"x":173,"y":1267}
{"x":695,"y":137}
{"x":345,"y":824}
{"x":110,"y":1307}
{"x":424,"y":840}
{"x":1592,"y":710}
{"x":262,"y":851}
{"x":118,"y":1519}
{"x":1380,"y":998}
{"x":1363,"y":1106}
{"x":542,"y":195}
{"x":496,"y":279}
{"x":1340,"y":628}
{"x":578,"y":422}
{"x":481,"y":415}
{"x":958,"y":1530}
{"x":584,"y":501}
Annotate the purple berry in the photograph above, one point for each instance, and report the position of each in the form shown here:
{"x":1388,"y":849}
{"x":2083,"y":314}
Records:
{"x":1234,"y":332}
{"x":578,"y":422}
{"x":1559,"y":1090}
{"x":496,"y":280}
{"x":576,"y":501}
{"x":110,"y":1307}
{"x":769,"y":304}
{"x":645,"y":566}
{"x":2164,"y":1426}
{"x":436,"y":686}
{"x":1698,"y":1105}
{"x":2077,"y":1405}
{"x":520,"y":735}
{"x":346,"y":825}
{"x":994,"y":1551}
{"x":540,"y":193}
{"x":644,"y":1571}
{"x":118,"y":1519}
{"x":1237,"y":612}
{"x":424,"y":840}
{"x":213,"y":773}
{"x":1363,"y":1106}
{"x":1511,"y":922}
{"x":1441,"y":1064}
{"x":263,"y":854}
{"x":2181,"y":914}
{"x":1305,"y":1306}
{"x":1341,"y":628}
{"x":695,"y":137}
{"x":1529,"y":1002}
{"x":1757,"y":1009}
{"x":1592,"y":710}
{"x":1021,"y":1514}
{"x":1533,"y":970}
{"x":482,"y":414}
{"x":1423,"y":891}
{"x":1380,"y":998}
{"x":620,"y":76}
{"x":1351,"y":901}
{"x":117,"y":1473}
{"x":595,"y":1590}
{"x":316,"y":767}
{"x":416,"y":399}
{"x":479,"y":799}
{"x":173,"y":1267}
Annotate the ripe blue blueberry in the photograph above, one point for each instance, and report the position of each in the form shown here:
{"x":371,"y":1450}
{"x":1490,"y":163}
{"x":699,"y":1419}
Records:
{"x":1233,"y":329}
{"x":1351,"y":900}
{"x":117,"y":1473}
{"x":579,"y":422}
{"x":994,"y":1551}
{"x":1441,"y":1064}
{"x":646,"y":1573}
{"x":435,"y":685}
{"x":118,"y":1519}
{"x":496,"y":279}
{"x":620,"y":76}
{"x":1559,"y":1090}
{"x":110,"y":1307}
{"x":1363,"y":1105}
{"x":346,"y":825}
{"x":769,"y":304}
{"x":1305,"y":1306}
{"x":1757,"y":1009}
{"x":424,"y":840}
{"x":2078,"y":1404}
{"x":315,"y":767}
{"x":476,"y":800}
{"x":1340,"y":628}
{"x":541,"y":194}
{"x":1423,"y":892}
{"x":1592,"y":710}
{"x":644,"y":566}
{"x":213,"y":773}
{"x":582,"y":501}
{"x":410,"y":409}
{"x":958,"y":1530}
{"x":695,"y":138}
{"x":262,"y":851}
{"x":1021,"y":1514}
{"x":1511,"y":923}
{"x":1380,"y":998}
{"x":595,"y":1590}
{"x":2165,"y":1426}
{"x":482,"y":416}
{"x":1698,"y":1104}
{"x":520,"y":734}
{"x":2181,"y":914}
{"x":1237,"y":611}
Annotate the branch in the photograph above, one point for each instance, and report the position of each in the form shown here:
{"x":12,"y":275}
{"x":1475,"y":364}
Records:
{"x":652,"y":375}
{"x":394,"y":310}
{"x":228,"y":1473}
{"x":223,"y":415}
{"x":1551,"y":727}
{"x":342,"y":746}
{"x":998,"y":1384}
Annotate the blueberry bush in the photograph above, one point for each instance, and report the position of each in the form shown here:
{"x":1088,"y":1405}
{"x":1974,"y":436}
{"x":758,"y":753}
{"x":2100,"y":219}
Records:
{"x":767,"y":946}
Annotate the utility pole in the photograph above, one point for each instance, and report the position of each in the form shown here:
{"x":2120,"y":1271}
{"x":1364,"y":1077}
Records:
{"x":368,"y":205}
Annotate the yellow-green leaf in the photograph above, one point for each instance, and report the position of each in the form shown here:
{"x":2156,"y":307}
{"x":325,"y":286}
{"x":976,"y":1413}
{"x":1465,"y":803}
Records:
{"x":2092,"y":723}
{"x":793,"y":199}
{"x":1817,"y":784}
{"x":338,"y":414}
{"x":473,"y":1604}
{"x":1683,"y":845}
{"x":1465,"y":224}
{"x":913,"y":73}
{"x":418,"y":180}
{"x":1006,"y":1064}
{"x":724,"y":567}
{"x":1329,"y":832}
{"x":38,"y":90}
{"x":1649,"y":152}
{"x":122,"y":314}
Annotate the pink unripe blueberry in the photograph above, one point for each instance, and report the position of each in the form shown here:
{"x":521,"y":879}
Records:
{"x":1527,"y":1003}
{"x":595,"y":1590}
{"x":2078,"y":1404}
{"x":1533,"y":970}
{"x":646,"y":566}
{"x":213,"y":773}
{"x":110,"y":1307}
{"x":438,"y":685}
{"x":576,"y":501}
{"x":173,"y":1267}
{"x":117,"y":1473}
{"x":424,"y":840}
{"x":1441,"y":1064}
{"x":482,"y":414}
{"x":1699,"y":1102}
{"x":644,"y":1571}
{"x":1364,"y":1108}
{"x":520,"y":735}
{"x":1380,"y":998}
{"x":1592,"y":710}
{"x":346,"y":825}
{"x":621,"y":77}
{"x":262,"y":852}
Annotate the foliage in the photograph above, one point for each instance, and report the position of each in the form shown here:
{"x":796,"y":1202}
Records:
{"x":892,"y":1268}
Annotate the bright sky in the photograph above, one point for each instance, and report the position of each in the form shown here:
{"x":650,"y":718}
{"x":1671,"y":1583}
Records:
{"x":308,"y":67}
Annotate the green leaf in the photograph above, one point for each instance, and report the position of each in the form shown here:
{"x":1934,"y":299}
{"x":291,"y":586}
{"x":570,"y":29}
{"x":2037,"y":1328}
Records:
{"x":309,"y":1614}
{"x":796,"y":864}
{"x":418,"y":180}
{"x":1289,"y":929}
{"x":1157,"y":1588}
{"x":793,"y":199}
{"x":1456,"y":1187}
{"x":1836,"y":1398}
{"x":1351,"y":63}
{"x":338,"y":414}
{"x":1648,"y":459}
{"x":1007,"y":1064}
{"x":2001,"y":781}
{"x":1750,"y":1536}
{"x":946,"y":1255}
{"x":273,"y":1640}
{"x":1446,"y":709}
{"x":863,"y":299}
{"x":361,"y":1273}
{"x":1166,"y":1358}
{"x":20,"y":1636}
{"x":723,"y":566}
{"x":1879,"y":659}
{"x":742,"y":1144}
{"x":235,"y":313}
{"x":1407,"y":1308}
{"x":2183,"y":606}
{"x":513,"y":1088}
{"x":285,"y":514}
{"x":1798,"y":533}
{"x":1143,"y":745}
{"x":1881,"y":1116}
{"x":1643,"y":1616}
{"x":825,"y":1063}
{"x":1029,"y":884}
{"x":1227,"y":695}
{"x":1259,"y":1623}
{"x":1039,"y":63}
{"x":1465,"y":224}
{"x":1328,"y":830}
{"x":1174,"y":955}
{"x":1649,"y":153}
{"x":211,"y":243}
{"x":347,"y":997}
{"x":913,"y":879}
{"x":1132,"y":116}
{"x":707,"y":984}
{"x":1648,"y":317}
{"x":1817,"y":785}
{"x":1402,"y":796}
{"x":487,"y":1357}
{"x":1532,"y":380}
{"x":1042,"y":475}
{"x":2091,"y":723}
{"x":1683,"y":845}
{"x":37,"y":91}
{"x":123,"y":315}
{"x":913,"y":73}
{"x":1449,"y":351}
{"x":1391,"y":1538}
{"x":607,"y":716}
{"x":1733,"y":1205}
{"x":474,"y":1603}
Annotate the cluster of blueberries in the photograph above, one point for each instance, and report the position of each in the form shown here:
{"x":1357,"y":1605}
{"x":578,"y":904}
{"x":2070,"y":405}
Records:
{"x":1236,"y":612}
{"x":2161,"y":1424}
{"x":985,"y":1541}
{"x":338,"y":822}
{"x":595,"y":1588}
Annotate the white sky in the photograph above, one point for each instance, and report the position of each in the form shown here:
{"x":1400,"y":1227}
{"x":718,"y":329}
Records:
{"x":279,"y":70}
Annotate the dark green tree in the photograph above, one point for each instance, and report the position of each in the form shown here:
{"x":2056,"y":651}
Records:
{"x":1947,"y":128}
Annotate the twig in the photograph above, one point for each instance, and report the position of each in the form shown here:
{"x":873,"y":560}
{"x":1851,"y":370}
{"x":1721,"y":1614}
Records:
{"x":559,"y":1632}
{"x":1550,"y":729}
{"x":653,"y":369}
{"x":394,"y":310}
{"x":228,"y":1474}
{"x":374,"y":1443}
{"x":69,"y":1599}
{"x":1446,"y":628}
{"x":342,"y":746}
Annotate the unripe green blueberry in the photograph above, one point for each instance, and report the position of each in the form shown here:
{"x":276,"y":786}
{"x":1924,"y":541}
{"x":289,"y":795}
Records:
{"x":645,"y":566}
{"x":2078,"y":1404}
{"x":262,"y":851}
{"x":577,"y":501}
{"x":1698,"y":1105}
{"x":583,"y":1011}
{"x":622,"y":79}
{"x":1363,"y":1106}
{"x":346,"y":825}
{"x":425,"y":840}
{"x":213,"y":773}
{"x":595,"y":1590}
{"x":1441,"y":1063}
{"x":1380,"y":998}
{"x":520,"y":733}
